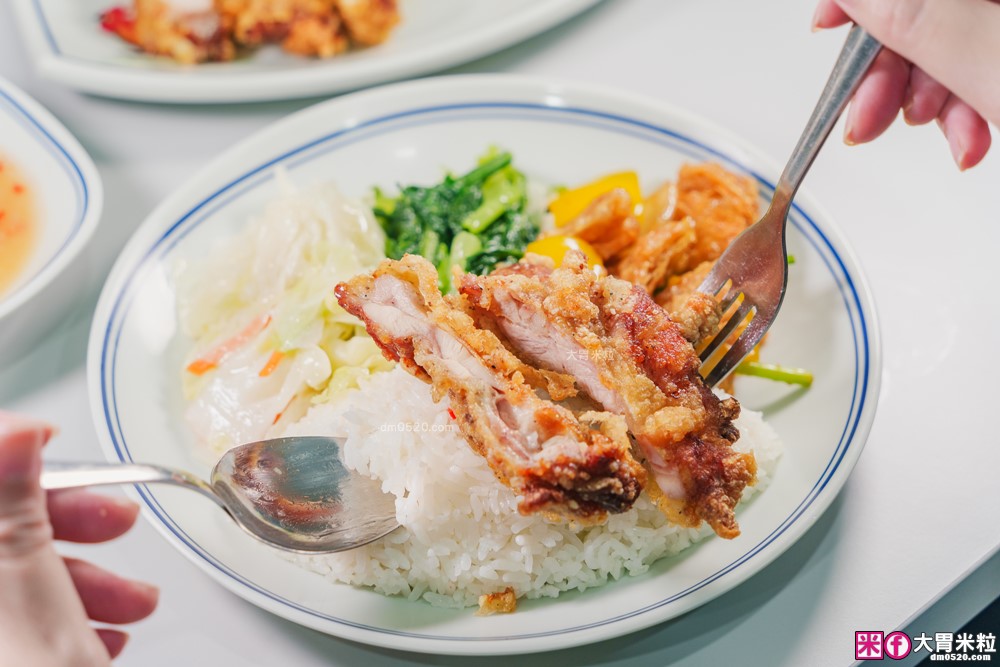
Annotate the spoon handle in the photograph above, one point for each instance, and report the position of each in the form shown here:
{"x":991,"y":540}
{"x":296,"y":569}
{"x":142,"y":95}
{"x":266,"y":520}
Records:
{"x":855,"y":58}
{"x":62,"y":475}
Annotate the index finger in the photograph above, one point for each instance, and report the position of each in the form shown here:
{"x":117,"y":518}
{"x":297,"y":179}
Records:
{"x":829,"y":15}
{"x":954,"y":41}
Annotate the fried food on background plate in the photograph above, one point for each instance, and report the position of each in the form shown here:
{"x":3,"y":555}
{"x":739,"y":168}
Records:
{"x":196,"y":31}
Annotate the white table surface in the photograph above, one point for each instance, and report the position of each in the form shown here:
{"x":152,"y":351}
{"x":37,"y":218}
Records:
{"x":923,"y":504}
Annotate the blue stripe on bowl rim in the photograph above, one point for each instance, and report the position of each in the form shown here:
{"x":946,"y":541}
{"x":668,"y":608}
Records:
{"x":46,"y":28}
{"x":483,"y":110}
{"x":51,"y":145}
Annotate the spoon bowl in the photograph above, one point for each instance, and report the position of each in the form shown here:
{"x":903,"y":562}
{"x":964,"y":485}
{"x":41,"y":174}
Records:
{"x":291,"y":493}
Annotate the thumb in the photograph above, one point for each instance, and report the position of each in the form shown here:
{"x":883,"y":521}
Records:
{"x":24,"y":524}
{"x":955,"y":41}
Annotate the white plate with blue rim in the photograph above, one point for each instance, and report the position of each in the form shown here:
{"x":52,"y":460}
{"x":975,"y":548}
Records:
{"x":50,"y":205}
{"x":70,"y":48}
{"x":558,"y":133}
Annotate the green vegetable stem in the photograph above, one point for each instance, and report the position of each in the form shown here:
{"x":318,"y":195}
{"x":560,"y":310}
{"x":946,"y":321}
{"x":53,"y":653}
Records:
{"x":778,"y":373}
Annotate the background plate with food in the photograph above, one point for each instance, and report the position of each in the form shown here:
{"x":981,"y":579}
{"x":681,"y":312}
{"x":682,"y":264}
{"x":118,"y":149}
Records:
{"x":107,"y":47}
{"x":177,"y":329}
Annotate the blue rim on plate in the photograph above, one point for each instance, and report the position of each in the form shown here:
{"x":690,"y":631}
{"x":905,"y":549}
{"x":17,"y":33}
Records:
{"x":863,"y":330}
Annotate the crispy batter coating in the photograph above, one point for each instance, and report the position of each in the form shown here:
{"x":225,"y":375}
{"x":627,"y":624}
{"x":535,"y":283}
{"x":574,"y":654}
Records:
{"x":556,"y":463}
{"x":657,"y":254}
{"x":721,"y":203}
{"x":504,"y":602}
{"x":305,"y":27}
{"x":630,"y":358}
{"x":368,"y":22}
{"x":712,"y":473}
{"x":680,"y":288}
{"x":188,"y":38}
{"x":688,"y":223}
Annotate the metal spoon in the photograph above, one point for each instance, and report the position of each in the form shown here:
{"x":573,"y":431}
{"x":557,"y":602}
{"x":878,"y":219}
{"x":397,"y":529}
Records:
{"x":291,"y":493}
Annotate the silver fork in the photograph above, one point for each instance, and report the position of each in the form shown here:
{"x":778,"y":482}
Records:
{"x":750,"y":277}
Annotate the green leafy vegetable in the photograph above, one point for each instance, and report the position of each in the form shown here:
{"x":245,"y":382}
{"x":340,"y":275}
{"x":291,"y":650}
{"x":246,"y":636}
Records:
{"x":475,"y":221}
{"x":502,"y":192}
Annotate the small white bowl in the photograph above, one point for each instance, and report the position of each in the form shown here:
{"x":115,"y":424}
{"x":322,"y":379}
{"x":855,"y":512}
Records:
{"x":68,"y":197}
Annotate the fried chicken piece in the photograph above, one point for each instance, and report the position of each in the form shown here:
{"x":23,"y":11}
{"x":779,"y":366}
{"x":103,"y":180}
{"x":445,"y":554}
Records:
{"x":629,"y":357}
{"x":711,"y":472}
{"x":557,"y":386}
{"x":659,"y":207}
{"x":698,"y":318}
{"x":541,"y":450}
{"x":607,"y":224}
{"x":680,"y":288}
{"x":721,"y":203}
{"x":368,"y":22}
{"x":188,"y":37}
{"x":696,"y":312}
{"x":305,"y":27}
{"x":317,"y":35}
{"x":657,"y":254}
{"x":688,"y":223}
{"x":216,"y":28}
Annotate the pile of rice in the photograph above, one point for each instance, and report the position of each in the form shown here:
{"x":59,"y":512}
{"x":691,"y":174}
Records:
{"x":461,"y":534}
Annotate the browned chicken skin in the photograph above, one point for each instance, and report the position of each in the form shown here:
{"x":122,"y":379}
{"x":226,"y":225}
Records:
{"x":557,"y":464}
{"x":657,"y":254}
{"x":689,"y":222}
{"x":629,"y":357}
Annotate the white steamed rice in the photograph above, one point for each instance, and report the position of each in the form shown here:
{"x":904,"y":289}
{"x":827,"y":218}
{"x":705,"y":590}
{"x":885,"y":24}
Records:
{"x":461,"y":534}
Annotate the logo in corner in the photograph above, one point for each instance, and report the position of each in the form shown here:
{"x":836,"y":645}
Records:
{"x":868,"y":645}
{"x":897,"y":645}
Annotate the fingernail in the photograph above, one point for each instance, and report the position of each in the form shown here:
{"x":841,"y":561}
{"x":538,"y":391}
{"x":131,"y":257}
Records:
{"x":849,"y":134}
{"x":11,"y":424}
{"x":815,"y":19}
{"x":148,"y":589}
{"x":125,"y":503}
{"x":849,"y":137}
{"x":959,"y":152}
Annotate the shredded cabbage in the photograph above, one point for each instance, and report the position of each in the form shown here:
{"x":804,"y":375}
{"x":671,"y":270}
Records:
{"x":269,"y":337}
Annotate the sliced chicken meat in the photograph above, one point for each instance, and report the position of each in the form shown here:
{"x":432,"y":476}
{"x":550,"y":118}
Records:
{"x":580,"y":469}
{"x":628,"y":355}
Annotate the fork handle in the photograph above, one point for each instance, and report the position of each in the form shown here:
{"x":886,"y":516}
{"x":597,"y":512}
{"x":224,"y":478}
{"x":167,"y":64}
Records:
{"x":855,"y":58}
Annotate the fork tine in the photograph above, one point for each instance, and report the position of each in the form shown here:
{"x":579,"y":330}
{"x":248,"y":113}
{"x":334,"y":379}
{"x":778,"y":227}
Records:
{"x":728,"y":300}
{"x":741,"y":348}
{"x":738,"y":317}
{"x":714,"y":282}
